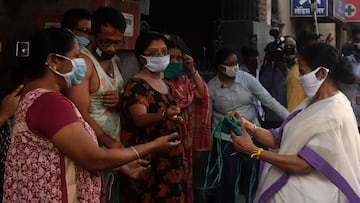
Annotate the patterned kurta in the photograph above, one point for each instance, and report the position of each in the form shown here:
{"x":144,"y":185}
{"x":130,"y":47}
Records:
{"x":36,"y":171}
{"x":165,"y":183}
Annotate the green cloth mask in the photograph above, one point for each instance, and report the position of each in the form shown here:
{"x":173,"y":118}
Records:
{"x":174,"y":70}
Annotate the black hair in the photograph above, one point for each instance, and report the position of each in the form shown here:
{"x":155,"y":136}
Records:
{"x":107,"y":16}
{"x":222,"y":54}
{"x":175,"y":41}
{"x":145,"y":38}
{"x":72,"y":16}
{"x":304,"y":38}
{"x":325,"y":55}
{"x":50,"y":40}
{"x":355,"y":32}
{"x":248,"y":51}
{"x":174,"y":45}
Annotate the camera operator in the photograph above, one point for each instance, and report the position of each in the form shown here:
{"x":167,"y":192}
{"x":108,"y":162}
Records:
{"x":279,"y":59}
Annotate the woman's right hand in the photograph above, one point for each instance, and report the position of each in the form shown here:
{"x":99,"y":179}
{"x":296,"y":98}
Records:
{"x":243,"y":143}
{"x":166,"y":143}
{"x":172,"y":113}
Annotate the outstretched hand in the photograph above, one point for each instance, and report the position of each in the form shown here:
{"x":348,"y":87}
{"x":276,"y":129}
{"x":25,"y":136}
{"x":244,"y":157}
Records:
{"x":138,"y":169}
{"x":240,"y":120}
{"x":167,"y":142}
{"x":243,"y":143}
{"x":329,"y":38}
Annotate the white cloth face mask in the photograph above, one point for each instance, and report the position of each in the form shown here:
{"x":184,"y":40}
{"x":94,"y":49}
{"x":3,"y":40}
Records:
{"x":310,"y":83}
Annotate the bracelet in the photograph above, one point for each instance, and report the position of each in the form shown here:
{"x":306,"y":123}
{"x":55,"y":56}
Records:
{"x":257,"y":153}
{"x":255,"y":128}
{"x":193,"y":73}
{"x":136,"y":152}
{"x":164,"y":116}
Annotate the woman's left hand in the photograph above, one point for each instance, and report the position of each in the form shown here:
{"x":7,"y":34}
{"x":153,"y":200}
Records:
{"x":188,"y":61}
{"x":138,"y":169}
{"x":243,"y":143}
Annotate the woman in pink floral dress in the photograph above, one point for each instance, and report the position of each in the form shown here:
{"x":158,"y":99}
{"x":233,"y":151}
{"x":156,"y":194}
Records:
{"x":54,"y":155}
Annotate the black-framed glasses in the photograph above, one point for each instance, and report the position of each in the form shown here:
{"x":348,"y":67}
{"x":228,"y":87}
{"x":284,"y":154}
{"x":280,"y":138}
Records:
{"x":107,"y":42}
{"x":84,"y":30}
{"x":156,"y":53}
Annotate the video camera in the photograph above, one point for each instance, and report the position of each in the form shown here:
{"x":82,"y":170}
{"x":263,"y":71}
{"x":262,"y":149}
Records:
{"x":275,"y":49}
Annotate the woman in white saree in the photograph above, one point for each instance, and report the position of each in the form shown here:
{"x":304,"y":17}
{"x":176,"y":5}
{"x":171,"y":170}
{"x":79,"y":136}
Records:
{"x":317,"y":156}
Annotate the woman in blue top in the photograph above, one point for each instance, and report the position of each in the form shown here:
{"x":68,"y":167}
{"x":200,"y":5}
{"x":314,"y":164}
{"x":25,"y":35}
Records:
{"x":234,"y":90}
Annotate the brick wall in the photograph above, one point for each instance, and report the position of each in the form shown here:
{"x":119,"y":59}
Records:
{"x":262,"y":10}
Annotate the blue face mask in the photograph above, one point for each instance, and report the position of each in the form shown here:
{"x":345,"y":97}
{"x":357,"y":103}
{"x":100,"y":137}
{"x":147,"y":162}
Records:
{"x":77,"y":73}
{"x":83,"y":42}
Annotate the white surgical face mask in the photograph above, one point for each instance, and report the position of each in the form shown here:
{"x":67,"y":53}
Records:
{"x":310,"y":83}
{"x":230,"y":70}
{"x":157,"y":64}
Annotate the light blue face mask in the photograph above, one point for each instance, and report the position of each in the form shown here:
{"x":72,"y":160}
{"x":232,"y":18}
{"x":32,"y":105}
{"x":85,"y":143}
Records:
{"x":77,"y":73}
{"x":83,"y":42}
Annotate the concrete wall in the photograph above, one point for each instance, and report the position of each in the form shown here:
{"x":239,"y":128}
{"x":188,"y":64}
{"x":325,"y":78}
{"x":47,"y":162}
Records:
{"x":284,"y":17}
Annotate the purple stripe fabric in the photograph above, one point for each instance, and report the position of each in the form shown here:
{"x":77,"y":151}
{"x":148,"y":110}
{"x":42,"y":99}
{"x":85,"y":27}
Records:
{"x":283,"y":179}
{"x":278,"y":135}
{"x":328,"y":171}
{"x":274,"y":188}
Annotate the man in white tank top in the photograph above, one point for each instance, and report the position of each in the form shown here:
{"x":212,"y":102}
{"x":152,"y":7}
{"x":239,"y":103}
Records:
{"x":98,"y":96}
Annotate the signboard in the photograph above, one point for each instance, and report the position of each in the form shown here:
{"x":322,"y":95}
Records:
{"x":339,"y":9}
{"x":302,"y":8}
{"x":352,"y":11}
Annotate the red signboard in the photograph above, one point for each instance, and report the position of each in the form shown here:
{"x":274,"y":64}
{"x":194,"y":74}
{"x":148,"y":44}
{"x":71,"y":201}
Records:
{"x":352,"y":11}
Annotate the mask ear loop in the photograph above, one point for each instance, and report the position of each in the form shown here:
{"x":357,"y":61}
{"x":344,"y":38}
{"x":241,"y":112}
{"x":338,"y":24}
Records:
{"x":326,"y":69}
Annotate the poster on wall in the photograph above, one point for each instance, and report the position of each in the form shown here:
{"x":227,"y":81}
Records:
{"x":129,"y":18}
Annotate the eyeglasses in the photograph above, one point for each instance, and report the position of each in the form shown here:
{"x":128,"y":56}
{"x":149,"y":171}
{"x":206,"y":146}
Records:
{"x":156,"y":53}
{"x":84,"y":30}
{"x":107,"y":42}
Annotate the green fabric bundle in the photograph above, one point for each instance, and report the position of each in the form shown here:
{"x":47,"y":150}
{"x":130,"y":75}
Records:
{"x":225,"y":125}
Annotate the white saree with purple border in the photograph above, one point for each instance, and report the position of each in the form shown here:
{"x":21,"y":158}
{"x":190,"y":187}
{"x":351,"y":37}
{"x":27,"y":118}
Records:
{"x":326,"y":135}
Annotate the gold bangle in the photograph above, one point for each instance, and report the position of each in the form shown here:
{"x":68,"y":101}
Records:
{"x":164,"y":116}
{"x":257,"y":153}
{"x":136,"y":152}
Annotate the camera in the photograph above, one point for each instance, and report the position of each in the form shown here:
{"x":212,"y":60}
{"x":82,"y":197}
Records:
{"x":275,"y":49}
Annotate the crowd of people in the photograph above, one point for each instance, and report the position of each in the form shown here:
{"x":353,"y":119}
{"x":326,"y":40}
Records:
{"x":75,"y":131}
